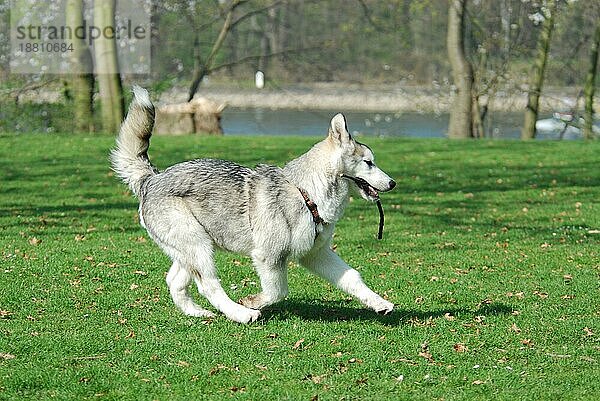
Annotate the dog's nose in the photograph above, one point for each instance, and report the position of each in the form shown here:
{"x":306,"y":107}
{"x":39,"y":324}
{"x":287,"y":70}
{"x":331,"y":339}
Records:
{"x":392,"y":184}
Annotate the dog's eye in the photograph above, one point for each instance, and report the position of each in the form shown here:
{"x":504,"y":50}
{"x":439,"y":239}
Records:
{"x":369,"y":163}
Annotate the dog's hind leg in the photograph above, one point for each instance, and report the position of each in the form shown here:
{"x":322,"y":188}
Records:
{"x":178,"y":280}
{"x":273,"y":281}
{"x":206,"y":274}
{"x":182,"y":237}
{"x":328,"y":265}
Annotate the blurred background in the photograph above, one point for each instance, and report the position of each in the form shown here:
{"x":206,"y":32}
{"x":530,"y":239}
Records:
{"x":419,"y":68}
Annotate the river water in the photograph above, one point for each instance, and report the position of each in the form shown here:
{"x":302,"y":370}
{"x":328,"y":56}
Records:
{"x":315,"y":122}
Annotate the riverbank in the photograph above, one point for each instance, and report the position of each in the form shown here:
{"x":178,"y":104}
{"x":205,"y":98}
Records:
{"x":338,"y":96}
{"x":325,"y":96}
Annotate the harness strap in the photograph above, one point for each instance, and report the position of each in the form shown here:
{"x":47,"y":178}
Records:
{"x":312,"y":207}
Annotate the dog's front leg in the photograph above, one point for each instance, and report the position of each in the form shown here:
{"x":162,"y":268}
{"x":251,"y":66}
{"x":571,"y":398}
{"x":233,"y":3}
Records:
{"x":272,"y":272}
{"x":327,"y":264}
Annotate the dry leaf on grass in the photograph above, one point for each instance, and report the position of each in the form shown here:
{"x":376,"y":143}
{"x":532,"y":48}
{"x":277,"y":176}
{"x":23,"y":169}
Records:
{"x":459,"y":347}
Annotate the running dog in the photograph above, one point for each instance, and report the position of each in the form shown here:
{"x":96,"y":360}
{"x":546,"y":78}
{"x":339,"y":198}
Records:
{"x":271,"y":214}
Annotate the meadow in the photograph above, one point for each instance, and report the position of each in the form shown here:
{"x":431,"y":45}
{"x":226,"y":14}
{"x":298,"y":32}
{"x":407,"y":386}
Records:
{"x":490,"y":253}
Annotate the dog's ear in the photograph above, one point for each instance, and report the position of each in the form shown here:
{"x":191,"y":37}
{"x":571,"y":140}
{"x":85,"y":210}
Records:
{"x":338,"y":131}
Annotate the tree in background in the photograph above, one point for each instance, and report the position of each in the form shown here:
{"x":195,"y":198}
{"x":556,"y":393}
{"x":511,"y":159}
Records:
{"x":204,"y":65}
{"x":547,"y":14}
{"x":590,"y":85}
{"x":460,"y":125}
{"x":107,"y":69}
{"x":81,"y":81}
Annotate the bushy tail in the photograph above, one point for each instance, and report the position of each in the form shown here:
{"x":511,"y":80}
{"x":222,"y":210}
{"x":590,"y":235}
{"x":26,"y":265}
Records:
{"x":130,"y":158}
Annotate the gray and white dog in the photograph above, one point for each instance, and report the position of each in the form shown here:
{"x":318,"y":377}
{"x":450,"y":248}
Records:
{"x":269,"y":213}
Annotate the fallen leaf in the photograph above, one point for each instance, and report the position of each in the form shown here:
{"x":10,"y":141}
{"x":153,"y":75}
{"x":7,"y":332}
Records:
{"x":527,"y":342}
{"x":298,"y":344}
{"x":34,"y":241}
{"x":515,"y":328}
{"x":183,"y":364}
{"x":6,"y":356}
{"x":427,"y":356}
{"x":588,"y":331}
{"x":459,"y":347}
{"x":478,"y":382}
{"x":217,"y":369}
{"x":315,"y":379}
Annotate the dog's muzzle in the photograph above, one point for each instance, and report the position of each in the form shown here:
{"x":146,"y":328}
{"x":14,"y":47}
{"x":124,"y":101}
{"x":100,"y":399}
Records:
{"x":369,"y":189}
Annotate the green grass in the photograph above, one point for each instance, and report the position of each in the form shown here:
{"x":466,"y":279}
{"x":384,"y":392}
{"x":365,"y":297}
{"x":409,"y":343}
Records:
{"x":490,"y":253}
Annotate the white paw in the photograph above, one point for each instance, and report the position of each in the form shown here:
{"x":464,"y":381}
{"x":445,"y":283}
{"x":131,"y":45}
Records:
{"x":198,"y":312}
{"x":382,"y":306}
{"x":244,"y":315}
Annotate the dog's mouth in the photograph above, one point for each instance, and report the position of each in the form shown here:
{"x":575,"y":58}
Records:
{"x":367,"y":191}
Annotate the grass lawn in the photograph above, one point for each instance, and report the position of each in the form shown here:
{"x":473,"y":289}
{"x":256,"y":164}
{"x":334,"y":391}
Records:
{"x":490,"y":253}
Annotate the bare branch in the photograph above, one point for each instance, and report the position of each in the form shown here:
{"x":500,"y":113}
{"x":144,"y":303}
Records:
{"x":258,"y":56}
{"x":255,"y":12}
{"x":368,"y":15}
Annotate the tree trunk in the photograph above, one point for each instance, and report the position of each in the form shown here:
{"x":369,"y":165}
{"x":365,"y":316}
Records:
{"x":460,"y":125}
{"x":107,"y":69}
{"x":477,"y":115}
{"x":590,"y":84}
{"x":202,"y":68}
{"x":537,"y":74}
{"x":81,"y":80}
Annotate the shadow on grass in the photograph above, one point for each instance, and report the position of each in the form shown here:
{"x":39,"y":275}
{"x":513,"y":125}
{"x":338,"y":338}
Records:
{"x":331,"y":311}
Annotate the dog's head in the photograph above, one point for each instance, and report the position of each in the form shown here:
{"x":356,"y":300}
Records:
{"x":357,"y":162}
